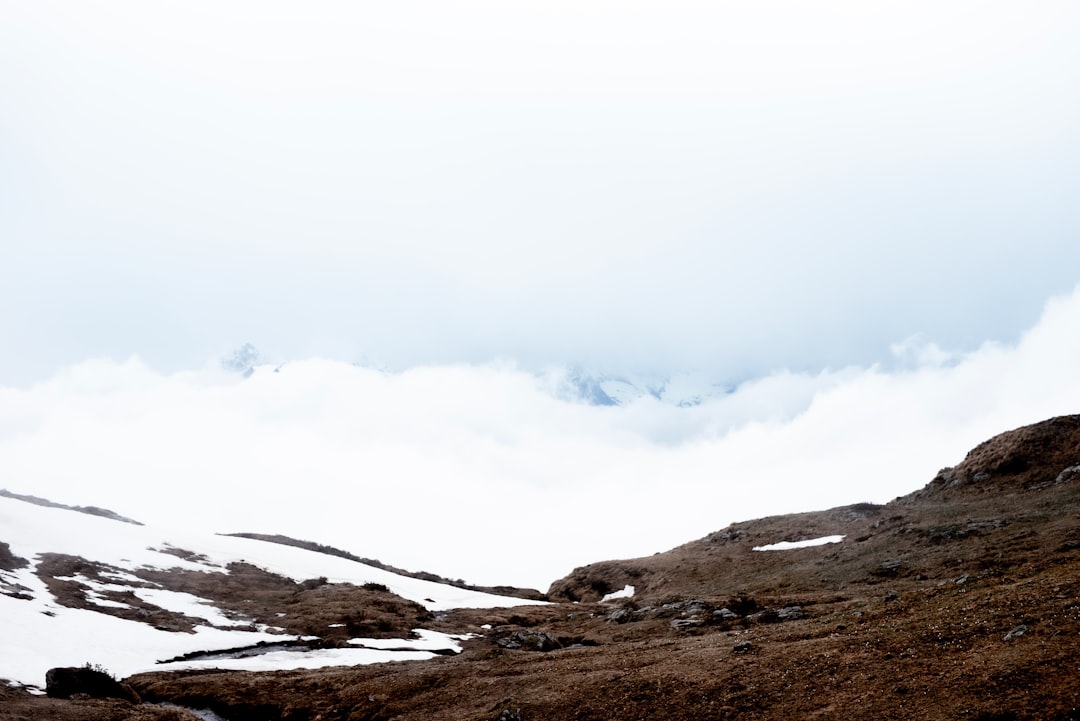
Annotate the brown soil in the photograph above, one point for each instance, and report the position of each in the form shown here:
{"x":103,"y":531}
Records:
{"x":959,"y":601}
{"x":335,"y":612}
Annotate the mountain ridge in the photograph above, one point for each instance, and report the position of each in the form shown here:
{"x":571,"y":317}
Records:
{"x":958,"y":601}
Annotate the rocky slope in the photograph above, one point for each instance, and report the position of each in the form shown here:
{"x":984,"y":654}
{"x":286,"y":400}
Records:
{"x":958,"y":601}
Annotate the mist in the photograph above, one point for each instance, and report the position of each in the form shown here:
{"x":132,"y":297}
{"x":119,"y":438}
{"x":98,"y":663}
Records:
{"x":491,"y":473}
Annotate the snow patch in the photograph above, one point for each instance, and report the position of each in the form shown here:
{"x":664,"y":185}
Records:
{"x":626,"y":592}
{"x":187,"y":605}
{"x":788,"y":545}
{"x":427,"y":641}
{"x":39,"y":633}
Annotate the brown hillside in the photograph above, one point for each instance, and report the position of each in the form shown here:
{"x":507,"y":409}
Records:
{"x":989,"y":512}
{"x":959,"y":601}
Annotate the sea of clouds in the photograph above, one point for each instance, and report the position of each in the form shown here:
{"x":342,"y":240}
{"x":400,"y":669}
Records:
{"x":490,"y":472}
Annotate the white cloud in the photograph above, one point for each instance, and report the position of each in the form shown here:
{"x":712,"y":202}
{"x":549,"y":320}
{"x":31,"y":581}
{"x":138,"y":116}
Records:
{"x":500,"y":481}
{"x":635,"y":187}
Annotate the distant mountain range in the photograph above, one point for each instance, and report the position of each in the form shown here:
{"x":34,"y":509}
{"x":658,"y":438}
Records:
{"x":573,"y":383}
{"x":606,"y":390}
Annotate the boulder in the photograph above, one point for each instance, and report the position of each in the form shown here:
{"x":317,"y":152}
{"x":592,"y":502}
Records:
{"x":530,"y":641}
{"x":79,"y":682}
{"x":790,"y":613}
{"x":725,"y":615}
{"x":1016,"y":632}
{"x":685,"y":624}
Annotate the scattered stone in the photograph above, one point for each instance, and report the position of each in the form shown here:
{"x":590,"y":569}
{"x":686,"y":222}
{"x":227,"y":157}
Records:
{"x":776,"y":615}
{"x":530,"y":641}
{"x":949,"y":476}
{"x":889,"y":568}
{"x":1067,"y":475}
{"x":725,"y":536}
{"x":508,"y":715}
{"x":693,"y":607}
{"x":943,"y":534}
{"x":769,"y":615}
{"x":1016,"y":632}
{"x":685,"y":624}
{"x":790,"y":613}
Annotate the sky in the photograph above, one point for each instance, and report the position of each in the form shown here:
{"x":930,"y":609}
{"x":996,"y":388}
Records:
{"x":856,"y":217}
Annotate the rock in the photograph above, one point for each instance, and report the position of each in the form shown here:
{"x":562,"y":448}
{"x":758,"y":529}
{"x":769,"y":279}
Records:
{"x":961,"y":580}
{"x":66,"y":682}
{"x":743,"y":647}
{"x":688,"y":608}
{"x":1067,"y":475}
{"x":724,"y":614}
{"x":1016,"y":632}
{"x":697,"y":608}
{"x":790,"y":613}
{"x":889,"y":568}
{"x":685,"y":624}
{"x":891,"y":596}
{"x":530,"y":641}
{"x":776,"y":615}
{"x":769,"y":615}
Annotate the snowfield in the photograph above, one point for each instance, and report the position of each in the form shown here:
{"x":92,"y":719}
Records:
{"x":39,"y":633}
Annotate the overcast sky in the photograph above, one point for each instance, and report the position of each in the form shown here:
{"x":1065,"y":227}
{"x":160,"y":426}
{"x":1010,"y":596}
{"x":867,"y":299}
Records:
{"x":785,"y":196}
{"x":727,"y":186}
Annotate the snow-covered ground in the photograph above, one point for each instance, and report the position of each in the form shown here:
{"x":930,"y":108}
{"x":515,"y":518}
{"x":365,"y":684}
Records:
{"x":368,"y":650}
{"x":38,"y":633}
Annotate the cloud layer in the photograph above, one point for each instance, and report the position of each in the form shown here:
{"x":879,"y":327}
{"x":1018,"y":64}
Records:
{"x":486,"y":473}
